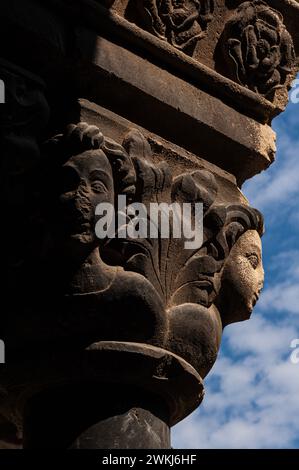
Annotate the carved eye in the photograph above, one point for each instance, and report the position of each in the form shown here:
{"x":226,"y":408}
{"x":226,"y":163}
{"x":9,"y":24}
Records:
{"x":98,"y":187}
{"x":253,"y":260}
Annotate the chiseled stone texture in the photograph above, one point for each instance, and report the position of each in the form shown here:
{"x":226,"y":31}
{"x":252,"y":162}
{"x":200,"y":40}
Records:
{"x":159,"y":101}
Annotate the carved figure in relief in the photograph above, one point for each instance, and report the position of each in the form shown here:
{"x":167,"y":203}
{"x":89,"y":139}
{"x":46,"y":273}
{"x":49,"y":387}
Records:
{"x":258,"y":48}
{"x":242,"y":279}
{"x":181,"y":22}
{"x":138,"y":289}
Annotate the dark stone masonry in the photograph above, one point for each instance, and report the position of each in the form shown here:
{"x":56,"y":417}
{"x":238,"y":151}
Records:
{"x":108,"y":341}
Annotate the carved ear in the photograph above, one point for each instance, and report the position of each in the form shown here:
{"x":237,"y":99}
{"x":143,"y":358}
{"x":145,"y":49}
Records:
{"x":137,"y":145}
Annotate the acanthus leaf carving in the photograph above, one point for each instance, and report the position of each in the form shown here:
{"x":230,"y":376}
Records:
{"x":193,"y":282}
{"x":153,"y":289}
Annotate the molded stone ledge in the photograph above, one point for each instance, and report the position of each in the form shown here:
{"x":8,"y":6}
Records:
{"x":208,"y":48}
{"x":188,"y":93}
{"x":203,"y":68}
{"x":153,"y":370}
{"x":236,"y":143}
{"x":159,"y":127}
{"x":254,"y":149}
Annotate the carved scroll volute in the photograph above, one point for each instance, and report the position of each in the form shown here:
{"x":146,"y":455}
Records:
{"x":258,"y":49}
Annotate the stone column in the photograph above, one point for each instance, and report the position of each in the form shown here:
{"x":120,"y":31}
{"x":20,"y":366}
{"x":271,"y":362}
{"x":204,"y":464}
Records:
{"x":148,"y":101}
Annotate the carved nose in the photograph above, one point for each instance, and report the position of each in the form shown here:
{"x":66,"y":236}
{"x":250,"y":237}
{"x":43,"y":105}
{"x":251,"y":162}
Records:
{"x":81,"y":192}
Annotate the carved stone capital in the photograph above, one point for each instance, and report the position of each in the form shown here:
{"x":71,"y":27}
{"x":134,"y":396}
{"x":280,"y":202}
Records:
{"x":165,"y":102}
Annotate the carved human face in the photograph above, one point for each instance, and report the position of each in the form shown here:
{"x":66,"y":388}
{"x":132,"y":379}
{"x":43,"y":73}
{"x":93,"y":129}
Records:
{"x":243,"y":278}
{"x":86,"y":181}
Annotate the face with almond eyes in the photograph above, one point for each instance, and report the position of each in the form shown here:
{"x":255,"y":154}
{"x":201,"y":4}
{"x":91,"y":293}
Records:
{"x":86,"y":181}
{"x":242,"y":278}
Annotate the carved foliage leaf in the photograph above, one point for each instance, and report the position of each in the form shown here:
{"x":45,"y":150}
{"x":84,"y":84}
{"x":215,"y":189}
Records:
{"x":258,"y":48}
{"x":182,"y":23}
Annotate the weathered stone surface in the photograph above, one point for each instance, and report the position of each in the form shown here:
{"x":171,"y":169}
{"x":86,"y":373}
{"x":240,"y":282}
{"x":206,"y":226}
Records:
{"x":258,"y":49}
{"x":144,"y":431}
{"x":150,"y":375}
{"x":166,"y":102}
{"x":199,"y":128}
{"x":210,"y":32}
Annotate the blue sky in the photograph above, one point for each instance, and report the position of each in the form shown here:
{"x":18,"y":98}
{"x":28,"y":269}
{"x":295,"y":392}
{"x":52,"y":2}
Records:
{"x":252,"y":393}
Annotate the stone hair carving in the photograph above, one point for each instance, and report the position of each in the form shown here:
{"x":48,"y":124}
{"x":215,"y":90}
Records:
{"x":180,"y":22}
{"x":99,"y":301}
{"x":258,"y":49}
{"x":223,"y":287}
{"x":153,"y":291}
{"x":148,"y":290}
{"x":190,"y":280}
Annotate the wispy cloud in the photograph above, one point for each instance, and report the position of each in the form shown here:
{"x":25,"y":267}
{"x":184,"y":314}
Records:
{"x":282,"y":295}
{"x":252,"y":398}
{"x":280,"y":183}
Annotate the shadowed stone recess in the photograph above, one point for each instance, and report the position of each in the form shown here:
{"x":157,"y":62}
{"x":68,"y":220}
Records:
{"x":108,"y":339}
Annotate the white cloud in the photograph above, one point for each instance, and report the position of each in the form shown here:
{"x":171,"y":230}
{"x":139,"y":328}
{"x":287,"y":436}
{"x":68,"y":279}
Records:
{"x":277,"y":187}
{"x":280,"y":183}
{"x":255,"y":403}
{"x":252,"y":398}
{"x":283,"y":296}
{"x":252,"y":393}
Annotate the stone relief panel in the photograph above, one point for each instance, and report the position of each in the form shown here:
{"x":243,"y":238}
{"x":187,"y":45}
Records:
{"x":249,"y":42}
{"x":258,"y":49}
{"x":76,"y":289}
{"x":198,"y":290}
{"x":180,"y":22}
{"x":145,"y":290}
